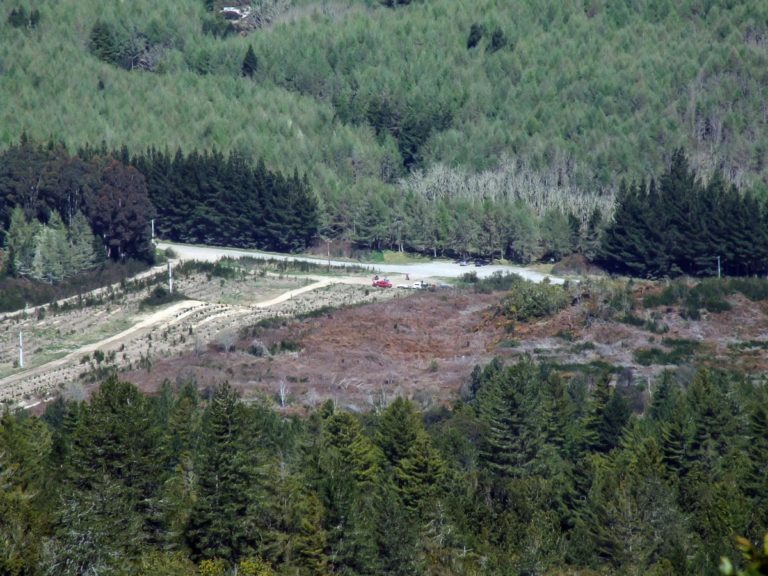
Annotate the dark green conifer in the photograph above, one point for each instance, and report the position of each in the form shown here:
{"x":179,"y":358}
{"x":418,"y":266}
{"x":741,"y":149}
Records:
{"x":103,"y":42}
{"x":476,"y":32}
{"x":220,"y":523}
{"x":250,"y":63}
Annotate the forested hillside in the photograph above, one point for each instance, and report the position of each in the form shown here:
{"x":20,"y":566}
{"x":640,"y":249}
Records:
{"x":532,"y":474}
{"x":402,"y":114}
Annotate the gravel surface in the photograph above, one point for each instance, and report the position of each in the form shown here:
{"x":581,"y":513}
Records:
{"x":435,"y":269}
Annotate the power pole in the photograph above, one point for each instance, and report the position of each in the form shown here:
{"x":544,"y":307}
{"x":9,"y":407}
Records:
{"x":153,"y":228}
{"x":21,"y":350}
{"x":170,"y":278}
{"x":718,"y":266}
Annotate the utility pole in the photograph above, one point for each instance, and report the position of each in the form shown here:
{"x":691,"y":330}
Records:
{"x":718,"y":266}
{"x":21,"y":350}
{"x":153,"y":228}
{"x":170,"y":278}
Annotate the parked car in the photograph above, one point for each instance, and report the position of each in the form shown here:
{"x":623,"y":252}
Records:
{"x":462,"y":263}
{"x":382,"y":283}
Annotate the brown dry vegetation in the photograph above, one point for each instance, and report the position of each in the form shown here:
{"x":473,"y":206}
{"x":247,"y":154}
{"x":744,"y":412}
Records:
{"x":425,"y":346}
{"x":61,"y":348}
{"x":422,"y":347}
{"x":358,"y":346}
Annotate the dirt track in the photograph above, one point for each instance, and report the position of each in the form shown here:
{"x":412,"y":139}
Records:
{"x":203,"y":317}
{"x":199,"y":315}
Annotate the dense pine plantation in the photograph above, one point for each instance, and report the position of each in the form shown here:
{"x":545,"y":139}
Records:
{"x":531,"y":473}
{"x":225,"y":200}
{"x":679,"y":225}
{"x":414,"y":122}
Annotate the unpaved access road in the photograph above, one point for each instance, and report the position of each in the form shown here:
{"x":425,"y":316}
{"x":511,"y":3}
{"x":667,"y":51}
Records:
{"x":435,"y":269}
{"x":29,"y":383}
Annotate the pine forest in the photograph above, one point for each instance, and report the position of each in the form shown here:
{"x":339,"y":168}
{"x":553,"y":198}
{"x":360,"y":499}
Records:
{"x":578,"y":386}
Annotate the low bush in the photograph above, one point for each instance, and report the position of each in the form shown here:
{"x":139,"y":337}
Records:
{"x":709,"y":294}
{"x":496,"y":282}
{"x":681,"y":351}
{"x":284,"y":346}
{"x":755,"y":289}
{"x":527,"y":300}
{"x":160,"y":296}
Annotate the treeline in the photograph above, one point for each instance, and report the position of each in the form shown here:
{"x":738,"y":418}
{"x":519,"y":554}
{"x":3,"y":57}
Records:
{"x":210,"y":198}
{"x":531,"y":473}
{"x":357,"y":95}
{"x":49,"y":190}
{"x":680,"y":225}
{"x":63,"y":214}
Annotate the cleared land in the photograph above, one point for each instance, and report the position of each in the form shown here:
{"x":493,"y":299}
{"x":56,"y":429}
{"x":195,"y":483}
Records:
{"x":424,"y":347}
{"x":301,"y":339}
{"x":81,"y":344}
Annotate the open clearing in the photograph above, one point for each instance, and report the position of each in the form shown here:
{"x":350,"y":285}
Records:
{"x":81,"y":344}
{"x":301,"y":339}
{"x":425,"y":346}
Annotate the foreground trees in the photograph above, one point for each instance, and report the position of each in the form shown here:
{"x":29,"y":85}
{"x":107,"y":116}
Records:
{"x":530,"y":473}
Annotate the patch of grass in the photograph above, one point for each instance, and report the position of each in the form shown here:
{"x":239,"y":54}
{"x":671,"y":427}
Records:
{"x":681,"y":351}
{"x":509,"y":343}
{"x":392,"y":257}
{"x":583,"y":347}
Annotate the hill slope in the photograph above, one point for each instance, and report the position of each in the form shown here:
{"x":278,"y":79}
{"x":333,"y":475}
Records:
{"x":359,"y":95}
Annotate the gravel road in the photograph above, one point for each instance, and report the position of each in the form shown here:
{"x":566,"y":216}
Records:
{"x":435,"y":269}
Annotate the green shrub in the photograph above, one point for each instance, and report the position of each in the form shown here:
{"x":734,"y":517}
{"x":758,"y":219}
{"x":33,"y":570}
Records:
{"x":496,"y":282}
{"x":755,"y":289}
{"x":284,"y":346}
{"x":527,"y":301}
{"x":583,"y":346}
{"x":681,"y":351}
{"x":670,"y":296}
{"x":469,"y":278}
{"x":160,"y":296}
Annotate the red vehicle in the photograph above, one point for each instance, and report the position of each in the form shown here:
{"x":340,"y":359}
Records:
{"x":382,"y":283}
